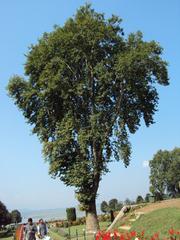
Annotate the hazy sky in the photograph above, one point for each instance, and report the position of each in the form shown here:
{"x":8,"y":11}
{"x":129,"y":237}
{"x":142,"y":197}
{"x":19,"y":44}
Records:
{"x":22,"y":169}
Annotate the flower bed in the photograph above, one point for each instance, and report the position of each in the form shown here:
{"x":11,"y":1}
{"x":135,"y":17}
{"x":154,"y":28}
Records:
{"x":172,"y":234}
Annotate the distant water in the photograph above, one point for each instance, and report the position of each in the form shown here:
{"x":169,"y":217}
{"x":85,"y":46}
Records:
{"x":48,"y":214}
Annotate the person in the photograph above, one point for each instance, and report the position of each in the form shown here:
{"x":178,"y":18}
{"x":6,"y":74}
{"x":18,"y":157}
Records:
{"x":42,"y":229}
{"x":30,"y":230}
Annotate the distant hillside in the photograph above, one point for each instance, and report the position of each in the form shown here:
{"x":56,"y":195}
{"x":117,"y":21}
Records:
{"x":50,"y":214}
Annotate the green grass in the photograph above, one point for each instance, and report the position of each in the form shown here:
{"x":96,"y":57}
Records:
{"x":7,"y":238}
{"x":80,"y":228}
{"x":54,"y":235}
{"x":73,"y":229}
{"x":4,"y":235}
{"x":158,"y":221}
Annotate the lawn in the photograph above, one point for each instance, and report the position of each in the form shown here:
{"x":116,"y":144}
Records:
{"x":4,"y":235}
{"x":54,"y":235}
{"x":81,"y":228}
{"x":75,"y":231}
{"x":158,"y":221}
{"x":7,"y":238}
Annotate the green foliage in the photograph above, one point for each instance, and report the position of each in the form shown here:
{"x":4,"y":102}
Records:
{"x":86,"y":88}
{"x":16,"y":216}
{"x":147,"y":197}
{"x":118,"y":207}
{"x":139,"y":199}
{"x":4,"y":215}
{"x":65,"y":224}
{"x":71,"y":214}
{"x":112,"y":204}
{"x":6,"y":234}
{"x":104,"y":218}
{"x":128,"y":201}
{"x":104,"y":207}
{"x":165,"y":173}
{"x":158,"y":221}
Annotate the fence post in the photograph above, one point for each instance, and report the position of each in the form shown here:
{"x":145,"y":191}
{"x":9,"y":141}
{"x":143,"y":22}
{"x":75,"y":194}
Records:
{"x":69,"y":232}
{"x":84,"y":234}
{"x":76,"y":234}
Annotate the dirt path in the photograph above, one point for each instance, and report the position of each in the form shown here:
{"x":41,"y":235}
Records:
{"x":163,"y":204}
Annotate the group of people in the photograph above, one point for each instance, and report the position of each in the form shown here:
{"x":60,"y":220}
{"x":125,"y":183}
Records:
{"x":35,"y":232}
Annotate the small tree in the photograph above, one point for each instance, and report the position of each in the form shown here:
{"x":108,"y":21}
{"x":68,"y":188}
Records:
{"x":139,"y":199}
{"x":71,"y":214}
{"x":113,"y":204}
{"x":119,"y":206}
{"x":16,"y":216}
{"x":127,"y":201}
{"x":147,"y":197}
{"x":112,"y":207}
{"x":104,"y":207}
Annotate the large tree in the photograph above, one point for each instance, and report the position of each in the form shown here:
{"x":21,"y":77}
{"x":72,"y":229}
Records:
{"x":165,"y":173}
{"x":4,"y":215}
{"x":86,"y":88}
{"x":16,"y":216}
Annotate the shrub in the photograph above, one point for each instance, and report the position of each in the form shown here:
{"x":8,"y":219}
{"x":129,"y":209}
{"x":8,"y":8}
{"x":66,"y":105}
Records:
{"x":71,"y":214}
{"x":104,"y":218}
{"x":65,"y":225}
{"x":82,"y":220}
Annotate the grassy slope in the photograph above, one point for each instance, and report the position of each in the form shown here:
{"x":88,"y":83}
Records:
{"x":158,"y":221}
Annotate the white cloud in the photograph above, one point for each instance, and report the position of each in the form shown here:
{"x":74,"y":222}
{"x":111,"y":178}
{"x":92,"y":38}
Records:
{"x":146,"y":164}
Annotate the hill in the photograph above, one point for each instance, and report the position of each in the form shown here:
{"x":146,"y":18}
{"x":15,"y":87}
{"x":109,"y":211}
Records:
{"x":158,"y":221}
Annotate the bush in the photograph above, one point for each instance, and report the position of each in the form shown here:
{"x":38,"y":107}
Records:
{"x":71,"y":214}
{"x":76,"y":223}
{"x":60,"y":224}
{"x":65,"y":225}
{"x":82,"y":220}
{"x":104,"y":218}
{"x":3,"y":233}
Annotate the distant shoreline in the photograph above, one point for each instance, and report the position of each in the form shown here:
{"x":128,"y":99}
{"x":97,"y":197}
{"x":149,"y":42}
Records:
{"x":49,"y":214}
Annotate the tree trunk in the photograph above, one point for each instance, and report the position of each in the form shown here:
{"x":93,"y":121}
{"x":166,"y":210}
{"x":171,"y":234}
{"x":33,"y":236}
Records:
{"x":112,"y":216}
{"x":92,"y":224}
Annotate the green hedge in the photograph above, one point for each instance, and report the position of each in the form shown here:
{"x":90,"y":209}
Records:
{"x":71,"y":214}
{"x":5,"y":233}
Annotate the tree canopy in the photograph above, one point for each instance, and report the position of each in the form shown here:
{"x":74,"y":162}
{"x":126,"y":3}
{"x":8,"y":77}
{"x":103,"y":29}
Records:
{"x":139,"y":199}
{"x":87,"y":87}
{"x":4,"y":215}
{"x":113,"y":205}
{"x":110,"y":207}
{"x":16,"y":216}
{"x":165,"y":173}
{"x":104,"y":207}
{"x":147,"y":197}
